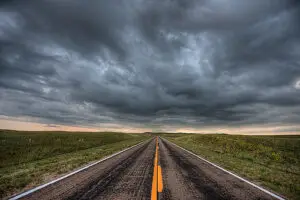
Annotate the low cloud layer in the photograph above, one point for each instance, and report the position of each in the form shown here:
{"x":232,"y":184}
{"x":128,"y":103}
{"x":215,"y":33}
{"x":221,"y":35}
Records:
{"x":151,"y":63}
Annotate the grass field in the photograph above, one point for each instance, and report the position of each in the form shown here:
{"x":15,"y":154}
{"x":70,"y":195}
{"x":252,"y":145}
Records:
{"x":31,"y":158}
{"x":270,"y":161}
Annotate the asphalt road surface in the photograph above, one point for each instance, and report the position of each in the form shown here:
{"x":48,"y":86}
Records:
{"x":130,"y":175}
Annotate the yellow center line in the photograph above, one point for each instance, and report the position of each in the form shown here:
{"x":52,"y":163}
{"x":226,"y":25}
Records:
{"x":157,"y":184}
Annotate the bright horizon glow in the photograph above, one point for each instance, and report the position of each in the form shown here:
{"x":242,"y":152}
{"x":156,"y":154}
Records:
{"x":11,"y":124}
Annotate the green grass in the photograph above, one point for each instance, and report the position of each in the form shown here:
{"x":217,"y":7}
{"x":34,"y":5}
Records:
{"x":270,"y":161}
{"x":31,"y":158}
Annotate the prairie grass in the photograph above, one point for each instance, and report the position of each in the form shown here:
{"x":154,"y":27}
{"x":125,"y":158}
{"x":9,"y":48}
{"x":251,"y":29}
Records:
{"x":31,"y":158}
{"x":270,"y":161}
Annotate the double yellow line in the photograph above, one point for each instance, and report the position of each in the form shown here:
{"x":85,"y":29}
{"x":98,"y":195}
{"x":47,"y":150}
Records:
{"x":157,"y":183}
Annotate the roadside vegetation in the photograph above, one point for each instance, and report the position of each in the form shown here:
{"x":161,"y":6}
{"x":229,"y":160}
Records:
{"x":270,"y":161}
{"x":31,"y":158}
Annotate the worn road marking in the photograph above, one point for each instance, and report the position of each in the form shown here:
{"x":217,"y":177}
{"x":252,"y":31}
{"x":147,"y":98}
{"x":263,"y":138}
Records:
{"x":157,"y":184}
{"x":160,"y":182}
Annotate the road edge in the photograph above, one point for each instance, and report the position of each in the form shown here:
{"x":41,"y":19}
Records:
{"x":25,"y":193}
{"x":229,"y":172}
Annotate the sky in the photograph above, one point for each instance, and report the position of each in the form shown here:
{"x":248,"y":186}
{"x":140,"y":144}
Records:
{"x":230,"y":66}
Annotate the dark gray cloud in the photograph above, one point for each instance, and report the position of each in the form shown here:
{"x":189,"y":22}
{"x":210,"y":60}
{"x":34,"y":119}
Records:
{"x":194,"y":63}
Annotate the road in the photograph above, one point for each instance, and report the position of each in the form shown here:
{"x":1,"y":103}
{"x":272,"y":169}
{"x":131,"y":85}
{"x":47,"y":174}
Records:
{"x":130,"y":175}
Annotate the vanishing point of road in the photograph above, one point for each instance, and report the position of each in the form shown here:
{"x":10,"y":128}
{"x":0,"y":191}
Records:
{"x":156,"y":170}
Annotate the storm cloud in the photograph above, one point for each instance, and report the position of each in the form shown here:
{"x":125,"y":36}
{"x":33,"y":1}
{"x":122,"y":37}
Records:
{"x":151,"y":63}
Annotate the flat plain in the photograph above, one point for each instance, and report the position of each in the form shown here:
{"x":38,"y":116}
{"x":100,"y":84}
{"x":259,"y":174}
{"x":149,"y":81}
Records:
{"x":32,"y":158}
{"x":132,"y":175}
{"x":269,"y":161}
